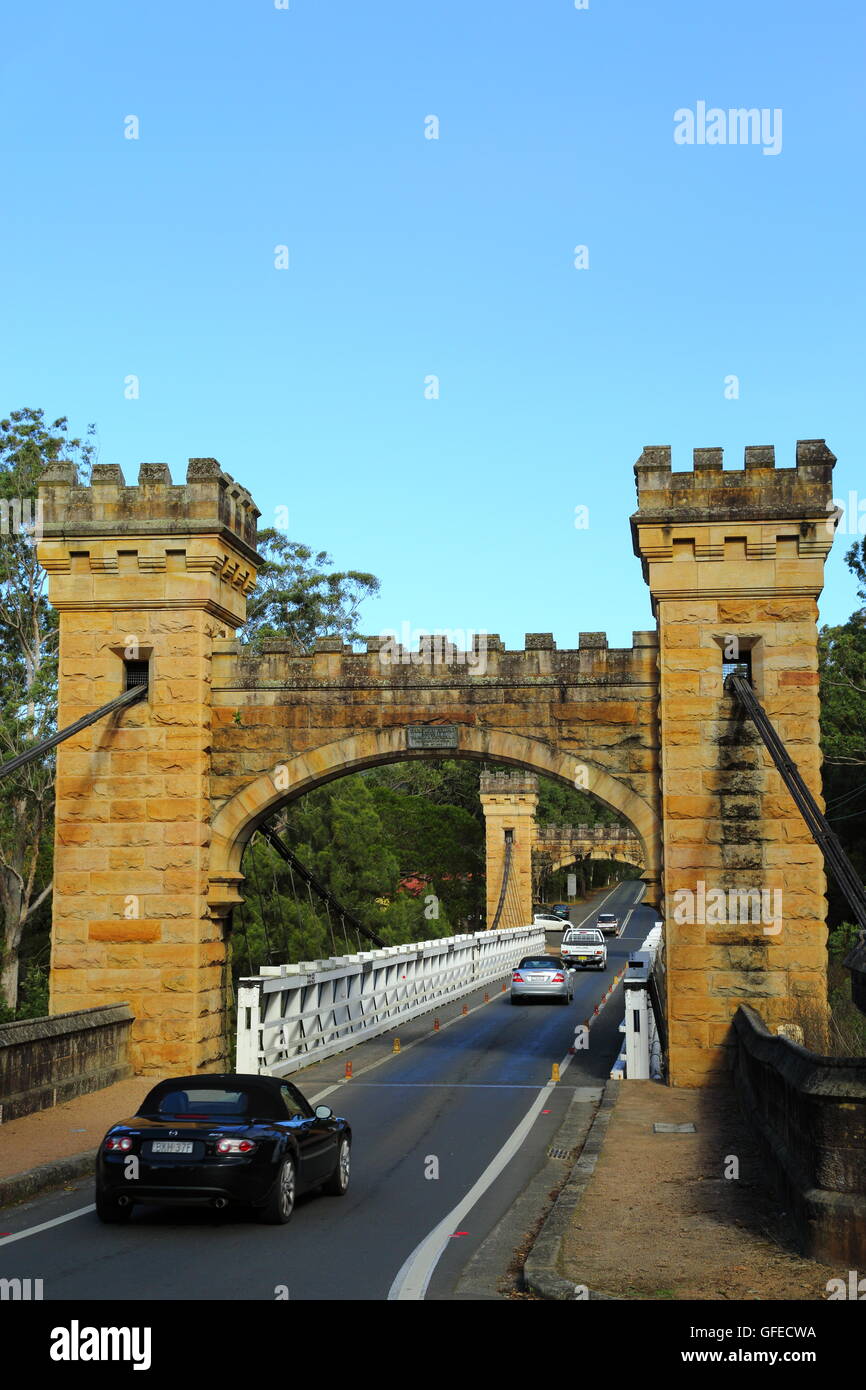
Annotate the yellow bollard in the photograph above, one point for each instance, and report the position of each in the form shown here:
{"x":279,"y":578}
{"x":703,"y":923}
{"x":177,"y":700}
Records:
{"x":396,"y":1047}
{"x":554,"y":1075}
{"x":348,"y":1071}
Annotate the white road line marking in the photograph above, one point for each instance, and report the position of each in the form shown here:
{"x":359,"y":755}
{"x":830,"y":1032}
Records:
{"x":456,"y":1085}
{"x":416,"y":1272}
{"x":46,"y":1225}
{"x":625,"y":921}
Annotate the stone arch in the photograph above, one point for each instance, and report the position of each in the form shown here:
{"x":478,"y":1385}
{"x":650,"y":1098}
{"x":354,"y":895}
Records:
{"x":236,"y":820}
{"x":616,"y":855}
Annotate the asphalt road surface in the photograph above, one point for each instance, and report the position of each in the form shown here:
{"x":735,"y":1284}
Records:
{"x":452,"y":1105}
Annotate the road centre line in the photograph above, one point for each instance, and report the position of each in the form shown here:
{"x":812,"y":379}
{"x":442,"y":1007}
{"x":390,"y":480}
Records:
{"x":46,"y":1225}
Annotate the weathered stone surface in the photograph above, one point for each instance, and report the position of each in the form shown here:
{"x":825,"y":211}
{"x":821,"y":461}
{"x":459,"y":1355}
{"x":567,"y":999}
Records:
{"x":737,"y":820}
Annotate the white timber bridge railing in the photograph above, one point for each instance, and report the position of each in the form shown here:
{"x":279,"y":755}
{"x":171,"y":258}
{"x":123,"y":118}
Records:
{"x":292,"y":1015}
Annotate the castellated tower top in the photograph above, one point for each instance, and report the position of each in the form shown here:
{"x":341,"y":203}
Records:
{"x":759,"y":491}
{"x":210,"y":502}
{"x":756,"y":530}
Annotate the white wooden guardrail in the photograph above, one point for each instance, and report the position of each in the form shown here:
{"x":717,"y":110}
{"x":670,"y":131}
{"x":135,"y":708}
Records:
{"x":640,"y":1057}
{"x":292,"y":1015}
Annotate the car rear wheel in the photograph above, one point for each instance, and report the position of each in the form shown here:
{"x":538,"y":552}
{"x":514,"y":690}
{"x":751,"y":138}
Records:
{"x":338,"y":1182}
{"x":109,"y":1211}
{"x":281,"y":1203}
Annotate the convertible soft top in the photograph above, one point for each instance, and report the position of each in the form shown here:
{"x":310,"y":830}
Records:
{"x":266,"y":1103}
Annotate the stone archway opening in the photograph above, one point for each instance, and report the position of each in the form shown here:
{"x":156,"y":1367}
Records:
{"x":241,"y":815}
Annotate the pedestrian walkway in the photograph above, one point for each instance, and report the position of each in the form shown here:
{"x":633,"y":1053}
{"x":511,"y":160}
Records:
{"x":63,"y":1131}
{"x":661,"y":1220}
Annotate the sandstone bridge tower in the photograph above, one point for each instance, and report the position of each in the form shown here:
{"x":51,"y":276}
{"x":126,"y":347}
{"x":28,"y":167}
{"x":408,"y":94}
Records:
{"x":734,"y":560}
{"x":145,"y":579}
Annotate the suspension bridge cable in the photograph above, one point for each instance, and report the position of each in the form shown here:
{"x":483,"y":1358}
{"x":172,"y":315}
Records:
{"x":315,"y":884}
{"x":129,"y":697}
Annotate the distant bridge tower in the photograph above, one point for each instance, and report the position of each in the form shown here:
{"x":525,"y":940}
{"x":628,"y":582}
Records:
{"x":509,"y":800}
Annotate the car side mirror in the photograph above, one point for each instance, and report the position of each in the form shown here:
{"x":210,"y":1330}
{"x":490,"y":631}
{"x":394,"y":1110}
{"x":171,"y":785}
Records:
{"x":323,"y":1112}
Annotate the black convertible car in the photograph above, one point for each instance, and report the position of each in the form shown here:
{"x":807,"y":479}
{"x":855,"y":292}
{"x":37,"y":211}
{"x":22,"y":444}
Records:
{"x":219,"y":1139}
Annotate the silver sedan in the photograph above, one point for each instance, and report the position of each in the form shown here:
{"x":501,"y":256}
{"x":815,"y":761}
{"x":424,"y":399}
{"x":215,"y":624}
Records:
{"x":542,"y":977}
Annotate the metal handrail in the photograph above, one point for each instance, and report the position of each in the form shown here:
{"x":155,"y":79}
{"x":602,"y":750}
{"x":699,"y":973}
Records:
{"x":128,"y":697}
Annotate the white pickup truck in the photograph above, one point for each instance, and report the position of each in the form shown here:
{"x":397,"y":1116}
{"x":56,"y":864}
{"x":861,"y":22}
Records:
{"x":584,"y":948}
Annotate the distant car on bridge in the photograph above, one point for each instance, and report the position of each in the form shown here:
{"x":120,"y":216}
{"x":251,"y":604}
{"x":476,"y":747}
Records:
{"x":562,"y":910}
{"x":607,"y":922}
{"x":220,"y":1140}
{"x":551,"y":920}
{"x":542,"y":977}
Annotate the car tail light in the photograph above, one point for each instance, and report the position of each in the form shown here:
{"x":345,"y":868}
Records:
{"x":517,"y":978}
{"x":120,"y":1142}
{"x":559,"y":979}
{"x":235,"y":1146}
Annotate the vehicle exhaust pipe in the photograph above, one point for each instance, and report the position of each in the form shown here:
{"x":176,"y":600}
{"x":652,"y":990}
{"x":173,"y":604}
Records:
{"x":123,"y":1201}
{"x":220,"y":1202}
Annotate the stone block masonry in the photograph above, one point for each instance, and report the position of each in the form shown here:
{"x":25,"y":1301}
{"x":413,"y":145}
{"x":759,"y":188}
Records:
{"x":155,"y":573}
{"x":734,"y":561}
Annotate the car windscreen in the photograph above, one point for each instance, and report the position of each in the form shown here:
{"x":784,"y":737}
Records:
{"x":206,"y":1102}
{"x":540,"y":963}
{"x":584,"y":938}
{"x":606,"y":917}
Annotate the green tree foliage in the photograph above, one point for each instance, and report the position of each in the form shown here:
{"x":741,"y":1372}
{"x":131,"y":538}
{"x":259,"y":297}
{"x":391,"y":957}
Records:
{"x":336,"y":832}
{"x":842,"y":665}
{"x":298,"y":596}
{"x":441,"y":845}
{"x":559,"y":804}
{"x":401,"y":846}
{"x":842,"y":652}
{"x":28,"y":691}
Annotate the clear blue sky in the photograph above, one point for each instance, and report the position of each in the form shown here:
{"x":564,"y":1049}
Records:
{"x":409,"y":257}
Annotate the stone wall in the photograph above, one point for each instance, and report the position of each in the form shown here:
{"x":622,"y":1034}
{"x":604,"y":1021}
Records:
{"x":810,"y":1114}
{"x":45,"y":1061}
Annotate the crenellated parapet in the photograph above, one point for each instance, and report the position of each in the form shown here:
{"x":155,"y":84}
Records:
{"x":157,"y":542}
{"x":775,"y":524}
{"x":559,"y":845}
{"x":557,"y":834}
{"x":279,"y":663}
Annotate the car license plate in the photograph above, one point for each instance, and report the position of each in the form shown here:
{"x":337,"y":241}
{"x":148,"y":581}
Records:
{"x":536,"y":977}
{"x":170,"y":1146}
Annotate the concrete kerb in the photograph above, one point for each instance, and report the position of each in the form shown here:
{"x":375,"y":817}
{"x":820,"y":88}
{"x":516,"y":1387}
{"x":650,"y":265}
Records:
{"x":60,"y":1170}
{"x":541,"y":1268}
